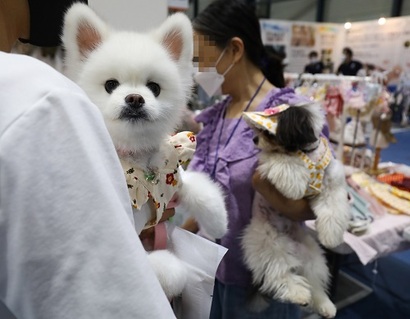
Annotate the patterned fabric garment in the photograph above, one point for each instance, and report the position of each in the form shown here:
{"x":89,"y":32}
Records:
{"x":316,"y":162}
{"x":391,"y":197}
{"x":161,"y":185}
{"x":333,"y":101}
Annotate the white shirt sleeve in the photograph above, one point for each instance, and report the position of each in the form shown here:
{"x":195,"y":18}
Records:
{"x":68,"y":248}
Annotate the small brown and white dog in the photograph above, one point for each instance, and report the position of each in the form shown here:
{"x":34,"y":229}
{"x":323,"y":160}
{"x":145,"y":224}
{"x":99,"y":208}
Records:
{"x":286,"y":262}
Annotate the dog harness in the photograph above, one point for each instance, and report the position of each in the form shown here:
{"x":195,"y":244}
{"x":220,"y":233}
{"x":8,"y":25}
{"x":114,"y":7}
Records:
{"x":161,"y":185}
{"x":316,"y":162}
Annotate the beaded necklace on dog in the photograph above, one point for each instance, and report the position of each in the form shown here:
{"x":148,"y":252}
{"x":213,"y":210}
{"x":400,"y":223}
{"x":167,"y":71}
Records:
{"x":233,"y":130}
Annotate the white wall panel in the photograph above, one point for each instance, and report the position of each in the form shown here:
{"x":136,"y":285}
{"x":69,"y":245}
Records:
{"x":137,"y":15}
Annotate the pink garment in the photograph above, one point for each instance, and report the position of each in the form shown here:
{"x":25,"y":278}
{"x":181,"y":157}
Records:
{"x":333,"y":101}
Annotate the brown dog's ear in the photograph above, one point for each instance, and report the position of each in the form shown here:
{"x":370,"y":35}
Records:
{"x":295,"y":129}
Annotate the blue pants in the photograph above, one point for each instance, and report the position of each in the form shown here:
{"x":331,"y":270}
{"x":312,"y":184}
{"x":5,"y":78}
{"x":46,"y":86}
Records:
{"x":230,"y":302}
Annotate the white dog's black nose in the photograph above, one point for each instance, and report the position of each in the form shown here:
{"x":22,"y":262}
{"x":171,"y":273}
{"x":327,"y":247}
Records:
{"x":134,"y":100}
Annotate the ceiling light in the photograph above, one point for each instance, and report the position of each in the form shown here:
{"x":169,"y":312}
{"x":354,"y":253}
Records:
{"x":382,"y":21}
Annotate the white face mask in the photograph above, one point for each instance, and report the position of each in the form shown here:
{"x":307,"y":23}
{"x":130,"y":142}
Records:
{"x":210,"y":80}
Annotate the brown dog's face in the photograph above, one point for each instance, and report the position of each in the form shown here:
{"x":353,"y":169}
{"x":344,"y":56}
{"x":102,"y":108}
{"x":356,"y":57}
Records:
{"x":267,"y":142}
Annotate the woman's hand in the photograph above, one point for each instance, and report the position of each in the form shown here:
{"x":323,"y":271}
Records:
{"x":297,"y":210}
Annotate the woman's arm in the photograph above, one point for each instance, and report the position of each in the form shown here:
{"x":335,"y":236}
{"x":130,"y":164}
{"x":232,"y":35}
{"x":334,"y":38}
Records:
{"x":297,"y":210}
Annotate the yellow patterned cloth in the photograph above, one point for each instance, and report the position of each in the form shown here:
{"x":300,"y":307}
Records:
{"x":384,"y":193}
{"x":395,"y":200}
{"x":316,"y":162}
{"x":400,"y":193}
{"x":160,"y":185}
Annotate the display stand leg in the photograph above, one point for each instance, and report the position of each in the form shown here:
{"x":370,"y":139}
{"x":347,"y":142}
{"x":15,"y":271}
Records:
{"x":363,"y":160}
{"x":376,"y":160}
{"x":356,"y":127}
{"x":339,"y":153}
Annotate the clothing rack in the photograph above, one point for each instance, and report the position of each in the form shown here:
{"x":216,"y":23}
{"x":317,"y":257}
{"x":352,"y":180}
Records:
{"x":327,"y":77}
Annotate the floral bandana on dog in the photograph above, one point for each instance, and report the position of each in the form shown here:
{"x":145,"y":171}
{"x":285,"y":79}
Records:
{"x":161,"y":186}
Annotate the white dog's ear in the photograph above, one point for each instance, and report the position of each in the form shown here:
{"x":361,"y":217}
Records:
{"x":83,"y":32}
{"x":176,"y":35}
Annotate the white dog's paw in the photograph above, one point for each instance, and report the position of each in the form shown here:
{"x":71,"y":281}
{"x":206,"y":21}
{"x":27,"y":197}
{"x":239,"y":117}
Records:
{"x":329,"y":237}
{"x":204,"y":200}
{"x":330,"y":232}
{"x":170,"y":271}
{"x":295,"y":290}
{"x":299,"y":295}
{"x":325,"y":308}
{"x":329,"y":240}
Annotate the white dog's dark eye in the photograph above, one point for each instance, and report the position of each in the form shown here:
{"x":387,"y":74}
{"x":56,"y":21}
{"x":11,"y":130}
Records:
{"x":154,"y":87}
{"x":111,"y":85}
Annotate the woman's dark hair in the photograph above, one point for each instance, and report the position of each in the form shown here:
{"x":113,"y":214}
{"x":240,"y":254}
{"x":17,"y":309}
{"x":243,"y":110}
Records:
{"x":223,"y":20}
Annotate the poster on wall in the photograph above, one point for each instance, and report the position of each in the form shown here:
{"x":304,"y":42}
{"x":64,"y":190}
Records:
{"x":303,"y":41}
{"x":330,"y":45}
{"x":382,"y":46}
{"x":297,"y":39}
{"x":276,"y":36}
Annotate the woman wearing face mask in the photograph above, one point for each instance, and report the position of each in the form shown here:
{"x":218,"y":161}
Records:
{"x":233,"y":61}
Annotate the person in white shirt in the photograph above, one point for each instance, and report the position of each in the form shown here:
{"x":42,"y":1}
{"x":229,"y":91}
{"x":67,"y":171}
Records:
{"x":68,"y":248}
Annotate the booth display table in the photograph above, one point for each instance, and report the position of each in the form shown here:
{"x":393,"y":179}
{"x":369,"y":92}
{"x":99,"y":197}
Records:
{"x":384,"y":236}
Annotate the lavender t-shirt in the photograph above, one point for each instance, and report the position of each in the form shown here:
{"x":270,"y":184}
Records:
{"x":232,"y":165}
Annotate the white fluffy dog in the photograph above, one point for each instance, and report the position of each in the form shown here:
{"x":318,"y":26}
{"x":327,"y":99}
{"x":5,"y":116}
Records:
{"x":286,"y":262}
{"x":141,"y":82}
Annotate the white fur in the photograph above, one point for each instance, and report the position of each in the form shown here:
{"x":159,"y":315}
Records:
{"x":287,"y":173}
{"x":288,"y":268}
{"x":163,"y":56}
{"x":171,"y":272}
{"x":133,"y":59}
{"x":331,"y":208}
{"x":286,"y":262}
{"x":203,"y":199}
